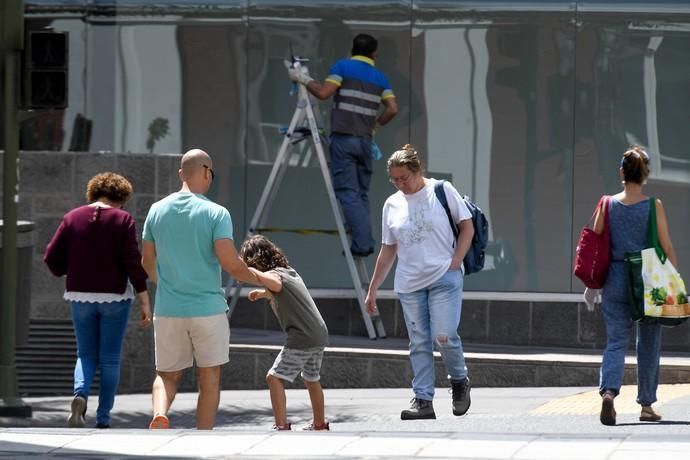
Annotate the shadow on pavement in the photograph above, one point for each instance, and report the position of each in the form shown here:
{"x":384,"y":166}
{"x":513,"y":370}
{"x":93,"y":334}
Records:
{"x":662,"y":422}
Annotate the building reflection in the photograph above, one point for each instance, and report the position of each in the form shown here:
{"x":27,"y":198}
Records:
{"x":525,"y":106}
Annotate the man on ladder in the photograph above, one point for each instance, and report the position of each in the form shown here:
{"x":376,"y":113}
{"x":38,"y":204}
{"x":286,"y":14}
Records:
{"x":296,"y":131}
{"x":359,"y":90}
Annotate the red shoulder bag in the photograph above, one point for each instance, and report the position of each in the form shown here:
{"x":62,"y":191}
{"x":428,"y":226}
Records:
{"x":593,"y":252}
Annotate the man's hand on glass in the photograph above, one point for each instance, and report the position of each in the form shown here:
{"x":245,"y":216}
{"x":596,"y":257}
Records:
{"x":297,"y":75}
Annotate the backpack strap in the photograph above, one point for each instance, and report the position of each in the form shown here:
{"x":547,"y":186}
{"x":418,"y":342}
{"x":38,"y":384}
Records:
{"x":441,"y":196}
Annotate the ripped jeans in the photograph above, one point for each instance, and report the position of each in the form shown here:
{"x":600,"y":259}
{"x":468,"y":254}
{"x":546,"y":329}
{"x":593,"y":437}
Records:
{"x":432,"y":316}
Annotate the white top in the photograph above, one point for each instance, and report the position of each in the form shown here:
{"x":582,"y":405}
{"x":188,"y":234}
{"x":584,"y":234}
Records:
{"x":99,"y":297}
{"x":418,"y":224}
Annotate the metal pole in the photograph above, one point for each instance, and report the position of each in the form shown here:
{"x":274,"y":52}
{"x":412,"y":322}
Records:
{"x":10,"y":403}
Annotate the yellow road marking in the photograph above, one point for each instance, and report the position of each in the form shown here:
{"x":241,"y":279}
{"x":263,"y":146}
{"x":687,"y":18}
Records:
{"x":589,"y":402}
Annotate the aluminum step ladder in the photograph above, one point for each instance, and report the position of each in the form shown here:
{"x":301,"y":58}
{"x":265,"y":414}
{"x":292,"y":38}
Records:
{"x":296,"y":132}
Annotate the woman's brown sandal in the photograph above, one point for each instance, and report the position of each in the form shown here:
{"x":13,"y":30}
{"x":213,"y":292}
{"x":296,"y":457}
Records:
{"x":608,"y":412}
{"x":648,"y":415}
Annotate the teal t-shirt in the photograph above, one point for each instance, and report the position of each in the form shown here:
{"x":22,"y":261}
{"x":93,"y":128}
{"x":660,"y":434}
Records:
{"x":184,"y":226}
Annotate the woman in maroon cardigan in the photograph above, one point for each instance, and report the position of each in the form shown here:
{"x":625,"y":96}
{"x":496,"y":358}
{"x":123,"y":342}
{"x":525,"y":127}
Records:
{"x":96,"y":247}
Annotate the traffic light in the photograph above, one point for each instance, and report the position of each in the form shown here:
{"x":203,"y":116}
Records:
{"x":44,"y":80}
{"x":11,"y":24}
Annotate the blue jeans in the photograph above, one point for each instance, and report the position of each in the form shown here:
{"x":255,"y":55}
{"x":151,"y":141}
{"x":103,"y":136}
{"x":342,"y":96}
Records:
{"x":351,"y":172}
{"x":618,"y":329}
{"x":100,"y":330}
{"x":432,"y":316}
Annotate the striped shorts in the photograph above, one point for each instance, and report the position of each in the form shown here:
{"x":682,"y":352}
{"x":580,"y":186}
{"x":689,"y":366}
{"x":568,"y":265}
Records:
{"x":292,"y":361}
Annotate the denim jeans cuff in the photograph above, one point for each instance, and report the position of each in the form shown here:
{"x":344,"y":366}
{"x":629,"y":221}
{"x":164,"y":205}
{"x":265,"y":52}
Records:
{"x":610,"y":390}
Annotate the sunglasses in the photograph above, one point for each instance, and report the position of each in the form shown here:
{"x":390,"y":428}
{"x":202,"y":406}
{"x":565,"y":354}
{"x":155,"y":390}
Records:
{"x":213,"y":175}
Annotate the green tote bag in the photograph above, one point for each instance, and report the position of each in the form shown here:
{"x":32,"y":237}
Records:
{"x":656,"y":291}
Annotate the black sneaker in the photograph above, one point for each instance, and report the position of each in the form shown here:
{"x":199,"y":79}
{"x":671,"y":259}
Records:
{"x":102,"y":426}
{"x":77,"y":411}
{"x":461,"y":396}
{"x":419,"y":410}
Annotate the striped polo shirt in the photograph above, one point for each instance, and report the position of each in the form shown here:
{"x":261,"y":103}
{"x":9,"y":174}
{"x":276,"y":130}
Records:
{"x":361,"y":88}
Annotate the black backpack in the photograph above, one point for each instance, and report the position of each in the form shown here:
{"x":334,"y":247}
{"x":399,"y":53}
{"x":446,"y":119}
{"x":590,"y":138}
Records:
{"x":474,"y":259}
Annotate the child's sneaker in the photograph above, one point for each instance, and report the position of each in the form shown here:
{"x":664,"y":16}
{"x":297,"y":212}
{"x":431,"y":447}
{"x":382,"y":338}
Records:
{"x":312,"y":427}
{"x":286,"y":427}
{"x":159,"y":422}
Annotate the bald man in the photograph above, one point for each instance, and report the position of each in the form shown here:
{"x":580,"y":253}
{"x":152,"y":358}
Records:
{"x":187,"y":238}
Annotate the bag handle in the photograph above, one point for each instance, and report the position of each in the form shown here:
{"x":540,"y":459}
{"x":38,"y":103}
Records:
{"x":652,"y":231}
{"x":602,"y":206}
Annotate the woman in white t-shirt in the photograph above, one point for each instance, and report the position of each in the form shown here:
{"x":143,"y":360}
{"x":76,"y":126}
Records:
{"x":428,"y":277}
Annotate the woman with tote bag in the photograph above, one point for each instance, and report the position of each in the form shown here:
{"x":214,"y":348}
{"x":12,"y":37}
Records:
{"x":628,"y":213}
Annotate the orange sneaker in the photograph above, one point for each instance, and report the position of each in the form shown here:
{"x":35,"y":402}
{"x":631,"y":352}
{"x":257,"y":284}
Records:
{"x":159,"y":422}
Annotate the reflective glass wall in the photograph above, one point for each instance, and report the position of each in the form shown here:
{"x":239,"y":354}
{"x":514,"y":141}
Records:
{"x":525,"y":106}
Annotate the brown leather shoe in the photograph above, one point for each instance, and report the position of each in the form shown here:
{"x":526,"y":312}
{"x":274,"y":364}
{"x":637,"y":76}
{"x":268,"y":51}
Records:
{"x":608,"y":412}
{"x":648,"y":415}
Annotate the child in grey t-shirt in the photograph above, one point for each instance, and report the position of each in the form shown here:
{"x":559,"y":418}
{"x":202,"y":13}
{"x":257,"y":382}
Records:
{"x":298,"y":316}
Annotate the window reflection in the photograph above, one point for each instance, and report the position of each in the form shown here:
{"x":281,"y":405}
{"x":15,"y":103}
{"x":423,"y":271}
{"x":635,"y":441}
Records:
{"x":525,"y":106}
{"x":498,"y":100}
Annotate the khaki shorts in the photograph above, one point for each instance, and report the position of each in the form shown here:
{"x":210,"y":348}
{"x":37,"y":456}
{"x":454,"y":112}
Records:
{"x":181,"y":341}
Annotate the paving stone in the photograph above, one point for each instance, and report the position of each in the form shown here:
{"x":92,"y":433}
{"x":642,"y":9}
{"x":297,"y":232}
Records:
{"x":118,"y":444}
{"x":385,"y":446}
{"x":485,"y":447}
{"x":301,"y":445}
{"x":575,"y":449}
{"x":210,"y":445}
{"x":36,"y":443}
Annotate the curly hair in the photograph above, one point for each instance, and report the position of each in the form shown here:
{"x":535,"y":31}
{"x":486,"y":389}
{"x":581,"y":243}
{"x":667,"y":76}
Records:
{"x":259,"y":252}
{"x":108,"y":185}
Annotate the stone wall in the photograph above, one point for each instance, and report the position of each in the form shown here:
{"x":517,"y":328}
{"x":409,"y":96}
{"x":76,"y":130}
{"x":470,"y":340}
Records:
{"x":510,"y":323}
{"x":52,"y":183}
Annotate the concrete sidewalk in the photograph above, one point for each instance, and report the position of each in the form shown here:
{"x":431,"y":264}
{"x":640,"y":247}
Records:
{"x":505,"y":423}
